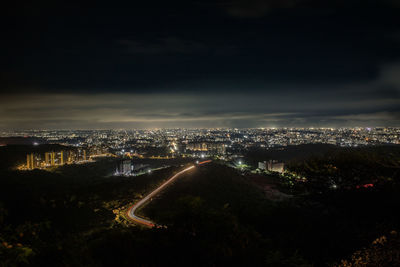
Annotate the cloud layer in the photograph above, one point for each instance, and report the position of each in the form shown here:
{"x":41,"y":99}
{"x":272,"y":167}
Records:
{"x":228,"y":63}
{"x":295,"y":108}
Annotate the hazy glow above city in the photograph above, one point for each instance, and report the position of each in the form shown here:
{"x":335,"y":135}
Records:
{"x":158,"y":110}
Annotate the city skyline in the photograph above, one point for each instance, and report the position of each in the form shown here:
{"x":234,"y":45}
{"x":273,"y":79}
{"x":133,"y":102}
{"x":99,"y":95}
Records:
{"x":200,"y":133}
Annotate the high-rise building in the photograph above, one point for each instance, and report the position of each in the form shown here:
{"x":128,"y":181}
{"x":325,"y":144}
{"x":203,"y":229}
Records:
{"x":272,"y":166}
{"x":47,"y":158}
{"x":53,"y":158}
{"x":124,"y":167}
{"x":32,"y":161}
{"x":63,"y":157}
{"x":262,"y":165}
{"x":72,"y":156}
{"x":29,"y":161}
{"x":275,"y":166}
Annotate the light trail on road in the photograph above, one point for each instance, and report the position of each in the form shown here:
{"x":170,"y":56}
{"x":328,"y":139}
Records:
{"x":204,"y":162}
{"x":131,"y":211}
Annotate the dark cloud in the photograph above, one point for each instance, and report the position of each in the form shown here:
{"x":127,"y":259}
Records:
{"x":390,"y":75}
{"x":260,"y":8}
{"x":161,"y":46}
{"x":239,"y":63}
{"x":256,"y":8}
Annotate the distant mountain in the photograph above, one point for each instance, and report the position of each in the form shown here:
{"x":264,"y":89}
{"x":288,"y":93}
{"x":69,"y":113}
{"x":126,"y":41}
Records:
{"x":19,"y":140}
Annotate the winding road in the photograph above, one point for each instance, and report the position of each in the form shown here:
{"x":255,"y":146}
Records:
{"x":131,"y":213}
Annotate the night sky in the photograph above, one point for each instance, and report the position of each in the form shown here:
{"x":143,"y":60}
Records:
{"x":238,"y":63}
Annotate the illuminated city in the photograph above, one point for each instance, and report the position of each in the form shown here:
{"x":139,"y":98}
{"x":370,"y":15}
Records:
{"x":200,"y":133}
{"x":209,"y":141}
